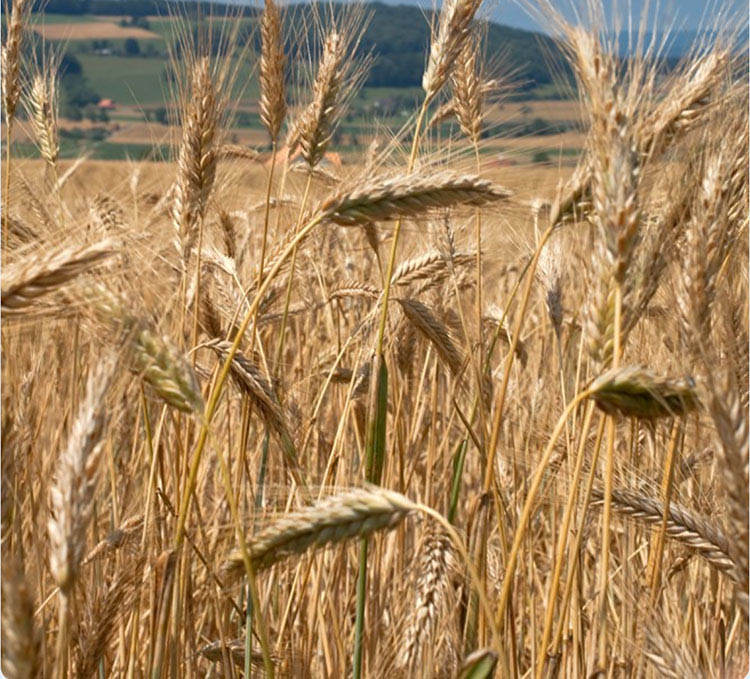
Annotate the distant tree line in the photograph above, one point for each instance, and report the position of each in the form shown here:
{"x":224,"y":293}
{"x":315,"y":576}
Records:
{"x":134,"y":8}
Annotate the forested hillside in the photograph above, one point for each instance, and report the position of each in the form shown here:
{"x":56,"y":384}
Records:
{"x":397,"y":35}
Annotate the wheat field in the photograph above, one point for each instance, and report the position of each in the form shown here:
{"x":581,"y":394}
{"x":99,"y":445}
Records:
{"x":417,"y":414}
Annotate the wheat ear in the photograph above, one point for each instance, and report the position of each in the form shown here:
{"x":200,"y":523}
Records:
{"x":695,"y":532}
{"x":257,"y":388}
{"x":635,"y":392}
{"x":430,"y":600}
{"x":409,"y":196}
{"x":11,"y":56}
{"x":35,"y":276}
{"x":272,"y":102}
{"x":318,"y":122}
{"x":43,"y":109}
{"x":341,"y":517}
{"x":72,"y":493}
{"x":197,"y":157}
{"x":453,"y":30}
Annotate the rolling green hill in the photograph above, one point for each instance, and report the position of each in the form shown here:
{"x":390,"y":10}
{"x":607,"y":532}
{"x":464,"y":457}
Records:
{"x":397,"y":36}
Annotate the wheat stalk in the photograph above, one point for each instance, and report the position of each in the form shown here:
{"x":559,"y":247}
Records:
{"x":161,"y":364}
{"x":21,"y":642}
{"x":468,"y":90}
{"x":166,"y":370}
{"x":251,"y":382}
{"x":107,"y":611}
{"x":432,"y":266}
{"x":237,"y":151}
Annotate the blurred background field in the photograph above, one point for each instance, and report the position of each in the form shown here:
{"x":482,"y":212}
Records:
{"x":116,"y":101}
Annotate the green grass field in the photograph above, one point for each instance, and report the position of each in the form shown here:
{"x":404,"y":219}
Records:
{"x":102,"y":150}
{"x":67,"y":18}
{"x":141,"y":81}
{"x":129,"y":81}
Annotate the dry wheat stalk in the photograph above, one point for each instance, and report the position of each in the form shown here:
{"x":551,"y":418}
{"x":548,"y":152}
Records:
{"x":357,"y":513}
{"x":729,"y":414}
{"x":325,"y":176}
{"x":127,"y":531}
{"x":635,"y":392}
{"x":161,"y":364}
{"x":686,"y":102}
{"x":18,"y":230}
{"x":209,"y":316}
{"x":20,"y":640}
{"x":614,"y":153}
{"x":37,"y":275}
{"x":252,"y":382}
{"x":236,"y":650}
{"x":600,"y":319}
{"x":669,"y":659}
{"x":550,"y":271}
{"x":108,"y":213}
{"x":354,"y":289}
{"x":707,"y":242}
{"x":272,"y":103}
{"x":453,"y":30}
{"x":71,"y":495}
{"x":100,"y":624}
{"x":228,"y":233}
{"x":409,"y":196}
{"x":680,"y":109}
